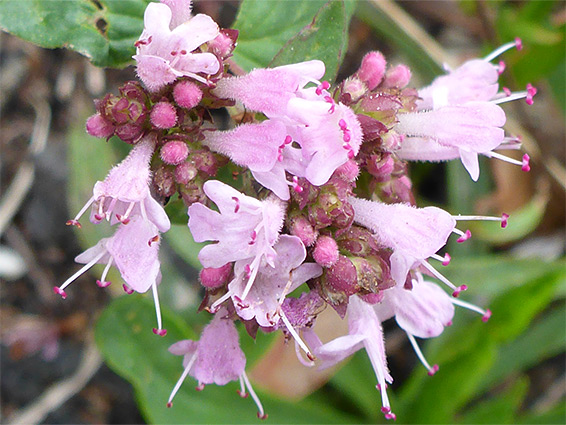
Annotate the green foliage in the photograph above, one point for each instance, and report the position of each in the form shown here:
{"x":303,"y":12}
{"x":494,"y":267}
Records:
{"x":124,"y":336}
{"x":281,"y":32}
{"x":104,"y":30}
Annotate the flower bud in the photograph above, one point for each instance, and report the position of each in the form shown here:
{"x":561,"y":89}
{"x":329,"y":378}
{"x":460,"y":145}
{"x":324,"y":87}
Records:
{"x":163,"y":115}
{"x":98,"y":126}
{"x":215,"y":277}
{"x":397,"y":77}
{"x":187,"y":94}
{"x":224,"y":43}
{"x":205,"y":161}
{"x":354,"y":87}
{"x":325,"y":252}
{"x":129,"y":133}
{"x":348,"y":171}
{"x":185,"y":172}
{"x":372,"y":69}
{"x":342,"y":276}
{"x":174,"y":152}
{"x":300,"y":226}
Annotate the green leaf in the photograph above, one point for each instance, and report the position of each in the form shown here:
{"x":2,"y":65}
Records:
{"x":499,"y":409}
{"x":124,"y":336}
{"x":538,"y":343}
{"x":266,"y":26}
{"x":325,"y":38}
{"x":555,"y":416}
{"x":103,"y":30}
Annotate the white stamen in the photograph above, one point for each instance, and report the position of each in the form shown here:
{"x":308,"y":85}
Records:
{"x":82,"y":270}
{"x":157,"y":308}
{"x":420,"y":354}
{"x":84,"y":208}
{"x":182,"y":378}
{"x":514,"y":96}
{"x":261,"y":413}
{"x":219,"y":301}
{"x":469,"y":306}
{"x":295,"y":335}
{"x":499,"y":51}
{"x":475,"y":217}
{"x":503,"y":158}
{"x":254,"y":266}
{"x":439,"y":275}
{"x":242,"y":388}
{"x":106,"y":269}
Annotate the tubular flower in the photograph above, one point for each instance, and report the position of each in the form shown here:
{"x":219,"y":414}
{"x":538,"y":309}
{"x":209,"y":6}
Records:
{"x":170,"y":35}
{"x":458,"y":117}
{"x":124,"y":193}
{"x":133,"y":250}
{"x":364,"y":331}
{"x":245,"y":228}
{"x":215,"y":359}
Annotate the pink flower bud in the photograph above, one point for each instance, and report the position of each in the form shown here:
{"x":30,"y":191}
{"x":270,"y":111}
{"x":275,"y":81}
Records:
{"x":301,"y":227}
{"x":174,"y":152}
{"x":129,"y":133}
{"x":355,"y":88}
{"x":163,"y":115}
{"x":187,"y":94}
{"x":98,"y":126}
{"x":164,"y":182}
{"x":342,"y":276}
{"x":398,"y":77}
{"x":326,"y":251}
{"x":214,"y":277}
{"x":224,"y":43}
{"x":372,"y":69}
{"x":185,"y":172}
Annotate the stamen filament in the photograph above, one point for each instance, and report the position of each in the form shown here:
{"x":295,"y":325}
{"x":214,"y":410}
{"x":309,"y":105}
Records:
{"x":443,"y":279}
{"x":295,"y":335}
{"x":254,"y":268}
{"x":502,"y":49}
{"x":102,"y":282}
{"x":216,"y":304}
{"x":83,"y":209}
{"x":181,"y":379}
{"x":159,"y":331}
{"x":431,"y":369}
{"x":82,"y":270}
{"x":486,"y":314}
{"x":260,"y":412}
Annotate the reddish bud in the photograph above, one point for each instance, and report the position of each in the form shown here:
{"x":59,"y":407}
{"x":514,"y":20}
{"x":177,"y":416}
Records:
{"x":163,"y":115}
{"x":187,"y":94}
{"x":397,"y":76}
{"x":174,"y":152}
{"x":372,"y":69}
{"x":325,"y":252}
{"x":215,"y":277}
{"x":98,"y":126}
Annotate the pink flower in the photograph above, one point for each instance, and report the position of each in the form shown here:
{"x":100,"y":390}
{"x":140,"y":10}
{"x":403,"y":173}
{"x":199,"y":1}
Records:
{"x":413,"y":234}
{"x":165,"y":45}
{"x":472,"y":128}
{"x":269,"y":90}
{"x":327,"y":132}
{"x":215,"y":359}
{"x":125,"y":193}
{"x":364,"y":331}
{"x":133,"y":250}
{"x":245,"y":228}
{"x":272,"y":283}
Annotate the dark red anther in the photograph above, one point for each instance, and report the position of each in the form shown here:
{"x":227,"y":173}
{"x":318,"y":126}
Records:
{"x":73,"y":223}
{"x":433,"y":370}
{"x":242,"y":394}
{"x":160,"y":332}
{"x":103,"y":284}
{"x":169,"y":404}
{"x":59,"y":291}
{"x":446,"y":260}
{"x":183,"y":52}
{"x":199,"y":387}
{"x":504,"y":218}
{"x":237,"y":201}
{"x":501,"y":67}
{"x":506,"y":91}
{"x":458,"y":290}
{"x":262,"y":416}
{"x":153,"y":240}
{"x":526,"y":163}
{"x":127,"y":289}
{"x":311,"y":356}
{"x":467,"y":235}
{"x":518,"y":43}
{"x":486,"y":316}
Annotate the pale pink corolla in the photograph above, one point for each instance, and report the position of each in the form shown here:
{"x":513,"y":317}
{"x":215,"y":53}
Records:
{"x":166,"y":45}
{"x":413,"y":234}
{"x":364,"y":331}
{"x":125,"y":193}
{"x":216,"y":358}
{"x":272,"y":284}
{"x":327,"y":132}
{"x":133,"y":250}
{"x":472,"y":128}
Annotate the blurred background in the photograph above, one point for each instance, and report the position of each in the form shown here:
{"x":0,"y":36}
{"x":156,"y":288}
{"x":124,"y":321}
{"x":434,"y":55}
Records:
{"x":510,"y":370}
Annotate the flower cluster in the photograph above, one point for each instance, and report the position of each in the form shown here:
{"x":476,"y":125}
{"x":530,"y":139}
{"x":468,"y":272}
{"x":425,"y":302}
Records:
{"x":301,"y":231}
